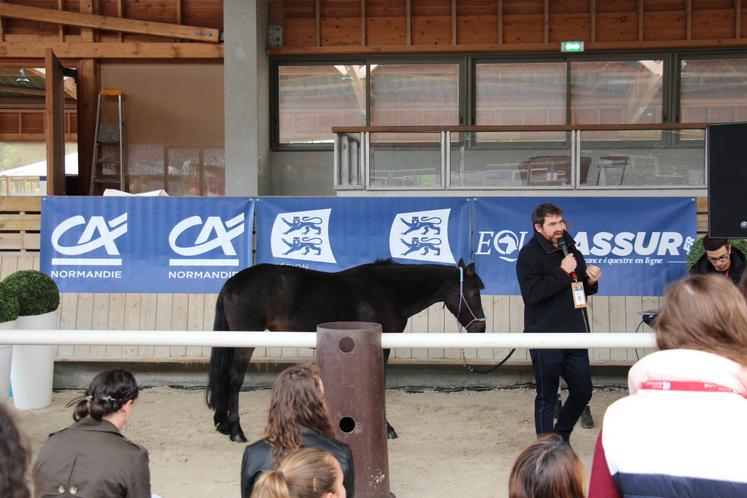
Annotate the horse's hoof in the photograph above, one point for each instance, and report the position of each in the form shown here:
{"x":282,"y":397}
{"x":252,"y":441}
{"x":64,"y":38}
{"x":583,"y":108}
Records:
{"x":238,"y":438}
{"x":222,"y":427}
{"x":391,"y":433}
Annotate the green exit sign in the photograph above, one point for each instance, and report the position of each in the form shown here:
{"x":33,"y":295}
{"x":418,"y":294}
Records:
{"x":572,"y":46}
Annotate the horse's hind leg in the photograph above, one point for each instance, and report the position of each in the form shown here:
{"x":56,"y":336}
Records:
{"x":390,"y":432}
{"x":235,"y":381}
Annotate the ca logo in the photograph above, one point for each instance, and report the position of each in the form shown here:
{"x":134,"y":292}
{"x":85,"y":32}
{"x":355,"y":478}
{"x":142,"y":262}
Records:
{"x":224,"y":234}
{"x":108,"y":232}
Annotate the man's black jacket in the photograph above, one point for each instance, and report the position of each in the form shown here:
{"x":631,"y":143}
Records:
{"x":546,"y":287}
{"x":258,"y":459}
{"x":735,"y":270}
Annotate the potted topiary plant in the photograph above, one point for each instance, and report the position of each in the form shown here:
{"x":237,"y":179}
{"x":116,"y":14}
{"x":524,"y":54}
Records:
{"x":32,"y":369}
{"x":8,"y":315}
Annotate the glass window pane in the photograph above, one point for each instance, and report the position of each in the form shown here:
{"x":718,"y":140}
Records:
{"x":518,"y":94}
{"x":616,"y":92}
{"x":313,"y":99}
{"x":405,"y":160}
{"x":414,"y":94}
{"x":713,"y":90}
{"x":510,"y":159}
{"x":610,"y":158}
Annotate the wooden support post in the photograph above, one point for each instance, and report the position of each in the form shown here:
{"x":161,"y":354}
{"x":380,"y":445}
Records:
{"x":317,"y":8}
{"x":179,"y":13}
{"x":88,"y":84}
{"x":546,"y":21}
{"x":738,"y":19}
{"x":54,"y":124}
{"x":453,"y":23}
{"x":408,"y":20}
{"x":689,"y":17}
{"x":499,"y":21}
{"x":593,"y":19}
{"x":87,"y":35}
{"x":363,"y":23}
{"x":61,"y":28}
{"x":2,"y":27}
{"x":120,"y":13}
{"x":640,"y":20}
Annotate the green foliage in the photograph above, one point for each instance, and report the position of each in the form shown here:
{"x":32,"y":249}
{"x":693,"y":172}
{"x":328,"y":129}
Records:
{"x":8,"y":305}
{"x":36,"y":292}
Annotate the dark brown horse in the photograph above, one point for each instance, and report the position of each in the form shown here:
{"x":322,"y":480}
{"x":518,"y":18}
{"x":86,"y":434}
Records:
{"x":288,"y":298}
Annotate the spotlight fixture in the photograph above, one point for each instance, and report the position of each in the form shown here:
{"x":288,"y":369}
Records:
{"x":22,"y":79}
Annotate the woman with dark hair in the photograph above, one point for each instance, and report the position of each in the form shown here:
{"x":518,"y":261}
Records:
{"x":305,"y":473}
{"x":681,"y":432}
{"x":547,"y":468}
{"x":298,"y":418}
{"x":92,"y":457}
{"x":14,"y":457}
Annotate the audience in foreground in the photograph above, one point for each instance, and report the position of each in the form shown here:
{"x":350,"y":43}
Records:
{"x":298,"y":418}
{"x":14,"y":458}
{"x":306,"y":473}
{"x":92,"y":457}
{"x":681,"y":432}
{"x":547,"y":468}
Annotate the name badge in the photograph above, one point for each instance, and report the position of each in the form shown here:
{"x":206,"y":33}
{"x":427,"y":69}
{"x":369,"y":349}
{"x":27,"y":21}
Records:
{"x":579,"y":296}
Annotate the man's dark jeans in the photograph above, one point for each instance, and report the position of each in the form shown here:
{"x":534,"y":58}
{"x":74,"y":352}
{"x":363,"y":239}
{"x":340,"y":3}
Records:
{"x":549,"y":365}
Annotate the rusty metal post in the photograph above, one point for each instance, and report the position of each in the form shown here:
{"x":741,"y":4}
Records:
{"x":352,"y":367}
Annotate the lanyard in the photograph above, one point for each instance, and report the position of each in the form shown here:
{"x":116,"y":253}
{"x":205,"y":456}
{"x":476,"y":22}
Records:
{"x":686,"y":385}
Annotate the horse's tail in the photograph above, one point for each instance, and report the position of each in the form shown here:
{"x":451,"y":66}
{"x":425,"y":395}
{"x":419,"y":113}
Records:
{"x":216,"y":394}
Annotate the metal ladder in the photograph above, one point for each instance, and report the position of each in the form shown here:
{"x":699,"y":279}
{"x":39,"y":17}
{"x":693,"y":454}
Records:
{"x":108,"y":168}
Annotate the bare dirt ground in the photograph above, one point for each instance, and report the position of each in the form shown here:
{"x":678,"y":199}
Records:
{"x":451,"y":443}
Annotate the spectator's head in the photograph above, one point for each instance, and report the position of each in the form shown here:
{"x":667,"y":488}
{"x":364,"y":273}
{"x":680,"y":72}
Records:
{"x":110,"y":392}
{"x":297,"y":400}
{"x":704,"y":312}
{"x":547,"y":468}
{"x":718,"y":252}
{"x":548,"y":221}
{"x":14,"y":458}
{"x":306,"y":473}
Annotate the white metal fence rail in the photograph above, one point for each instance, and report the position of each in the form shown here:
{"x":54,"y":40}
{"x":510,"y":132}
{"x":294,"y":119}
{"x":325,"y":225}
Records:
{"x":308,"y":339}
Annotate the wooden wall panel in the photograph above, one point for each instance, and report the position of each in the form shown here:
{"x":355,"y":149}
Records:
{"x":386,"y":30}
{"x":431,"y":30}
{"x":662,"y":25}
{"x":523,"y":28}
{"x":476,"y":29}
{"x":206,"y":13}
{"x":567,"y":27}
{"x":709,"y":24}
{"x":299,"y":32}
{"x":617,"y":26}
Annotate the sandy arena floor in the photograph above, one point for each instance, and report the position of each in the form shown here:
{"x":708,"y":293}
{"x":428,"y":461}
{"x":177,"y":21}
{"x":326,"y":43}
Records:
{"x":451,"y":444}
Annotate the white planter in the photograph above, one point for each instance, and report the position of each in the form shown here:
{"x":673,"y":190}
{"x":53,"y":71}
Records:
{"x":32,"y":370}
{"x":6,"y":353}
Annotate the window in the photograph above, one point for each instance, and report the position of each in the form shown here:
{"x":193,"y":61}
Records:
{"x":313,"y":99}
{"x":617,"y":92}
{"x":414,"y":94}
{"x":713,"y":90}
{"x":520,"y":94}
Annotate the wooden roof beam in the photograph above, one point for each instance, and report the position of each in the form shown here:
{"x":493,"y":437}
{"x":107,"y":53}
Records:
{"x":109,"y":23}
{"x":114,"y":50}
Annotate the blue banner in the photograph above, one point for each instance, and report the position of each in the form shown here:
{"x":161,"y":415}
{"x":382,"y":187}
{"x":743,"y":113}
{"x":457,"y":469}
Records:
{"x":145,"y":244}
{"x":332,"y":234}
{"x":640,"y":243}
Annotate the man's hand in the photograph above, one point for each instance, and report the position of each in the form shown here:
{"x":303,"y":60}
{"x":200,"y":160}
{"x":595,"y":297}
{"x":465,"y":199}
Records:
{"x":569,"y":263}
{"x":593,"y":272}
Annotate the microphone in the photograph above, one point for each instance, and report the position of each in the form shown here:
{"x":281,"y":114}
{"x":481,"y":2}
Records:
{"x":563,"y":246}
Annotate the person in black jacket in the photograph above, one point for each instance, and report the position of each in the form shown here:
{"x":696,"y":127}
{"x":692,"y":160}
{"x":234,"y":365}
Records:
{"x":298,"y":418}
{"x":555,"y":282}
{"x":719,"y":256}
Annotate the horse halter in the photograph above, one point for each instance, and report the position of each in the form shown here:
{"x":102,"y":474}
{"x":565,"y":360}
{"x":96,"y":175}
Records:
{"x":462,"y":299}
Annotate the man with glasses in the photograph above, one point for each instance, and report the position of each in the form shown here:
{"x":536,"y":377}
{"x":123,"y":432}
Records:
{"x":720,"y":256}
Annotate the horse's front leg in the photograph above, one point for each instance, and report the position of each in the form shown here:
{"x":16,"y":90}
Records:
{"x":236,"y":380}
{"x":390,"y":432}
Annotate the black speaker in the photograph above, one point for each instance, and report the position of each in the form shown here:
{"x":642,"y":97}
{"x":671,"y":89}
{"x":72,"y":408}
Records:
{"x":726,"y":150}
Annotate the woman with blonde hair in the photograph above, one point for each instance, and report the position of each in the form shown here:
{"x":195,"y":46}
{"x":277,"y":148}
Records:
{"x":681,"y":432}
{"x":547,"y":468}
{"x":306,"y":473}
{"x":298,"y":418}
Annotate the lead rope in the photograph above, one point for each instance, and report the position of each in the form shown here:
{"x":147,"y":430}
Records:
{"x":462,"y":329}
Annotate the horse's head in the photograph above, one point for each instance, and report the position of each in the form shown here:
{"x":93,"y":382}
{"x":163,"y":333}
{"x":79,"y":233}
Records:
{"x":463,"y":298}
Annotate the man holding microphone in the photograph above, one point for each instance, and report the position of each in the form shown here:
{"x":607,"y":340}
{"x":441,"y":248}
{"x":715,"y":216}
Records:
{"x":555,"y":283}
